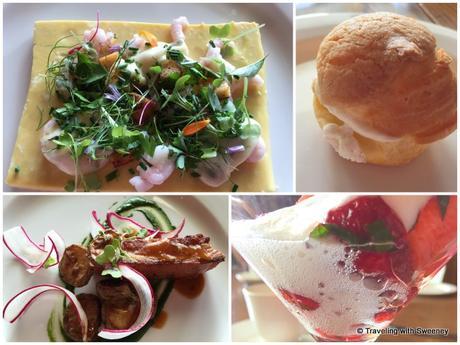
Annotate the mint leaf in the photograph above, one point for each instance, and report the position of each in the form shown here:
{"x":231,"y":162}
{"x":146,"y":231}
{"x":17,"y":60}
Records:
{"x":319,"y":231}
{"x":443,"y":202}
{"x":381,"y":237}
{"x":323,"y":230}
{"x":343,"y":234}
{"x":223,"y":31}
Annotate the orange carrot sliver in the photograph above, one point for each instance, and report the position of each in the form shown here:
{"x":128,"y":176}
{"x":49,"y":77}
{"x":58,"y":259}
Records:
{"x":195,"y":127}
{"x":149,"y":37}
{"x":108,"y":60}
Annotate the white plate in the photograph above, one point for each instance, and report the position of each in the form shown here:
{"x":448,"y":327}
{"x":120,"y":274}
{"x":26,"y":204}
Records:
{"x":246,"y":331}
{"x":276,"y":37}
{"x":320,"y":169}
{"x":439,"y":289}
{"x":204,"y":318}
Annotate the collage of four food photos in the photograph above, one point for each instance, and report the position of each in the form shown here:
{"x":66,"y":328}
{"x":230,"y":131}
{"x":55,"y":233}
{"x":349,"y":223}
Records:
{"x":229,"y":172}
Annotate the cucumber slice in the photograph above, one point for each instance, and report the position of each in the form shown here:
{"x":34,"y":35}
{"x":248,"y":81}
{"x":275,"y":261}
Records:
{"x":150,"y":209}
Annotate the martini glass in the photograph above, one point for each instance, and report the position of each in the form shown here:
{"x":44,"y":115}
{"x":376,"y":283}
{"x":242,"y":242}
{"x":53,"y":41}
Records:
{"x":344,"y":266}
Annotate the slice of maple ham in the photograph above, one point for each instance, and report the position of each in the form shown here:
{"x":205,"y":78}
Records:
{"x":164,"y":258}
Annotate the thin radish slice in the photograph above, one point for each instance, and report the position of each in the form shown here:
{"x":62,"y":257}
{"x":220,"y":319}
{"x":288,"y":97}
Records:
{"x":147,"y":304}
{"x":96,"y":226}
{"x":18,"y":304}
{"x":173,"y":233}
{"x":118,"y":223}
{"x":56,"y":242}
{"x":31,"y":254}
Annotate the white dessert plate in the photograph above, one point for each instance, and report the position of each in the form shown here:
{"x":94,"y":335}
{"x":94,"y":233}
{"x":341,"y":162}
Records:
{"x":320,"y":169}
{"x":246,"y":331}
{"x":69,"y":216}
{"x":276,"y":39}
{"x":440,"y":289}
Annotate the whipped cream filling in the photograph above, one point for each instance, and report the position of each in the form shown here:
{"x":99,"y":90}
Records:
{"x":360,"y":128}
{"x":295,"y":223}
{"x":342,"y":140}
{"x":407,"y":207}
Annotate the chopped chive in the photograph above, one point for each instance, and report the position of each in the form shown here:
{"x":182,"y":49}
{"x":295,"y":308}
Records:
{"x":111,"y":175}
{"x":143,"y":166}
{"x":234,"y":188}
{"x":17,"y":169}
{"x":132,"y":171}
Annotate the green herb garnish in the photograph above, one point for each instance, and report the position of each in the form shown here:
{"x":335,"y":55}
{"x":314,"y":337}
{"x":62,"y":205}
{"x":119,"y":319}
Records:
{"x":130,"y":109}
{"x":219,"y":32}
{"x":49,"y":262}
{"x":111,"y":175}
{"x":380,"y":237}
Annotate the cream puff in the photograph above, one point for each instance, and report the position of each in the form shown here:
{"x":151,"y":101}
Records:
{"x":383,"y":91}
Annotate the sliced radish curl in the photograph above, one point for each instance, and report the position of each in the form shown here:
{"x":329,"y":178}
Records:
{"x":117,"y":222}
{"x":173,"y":233}
{"x":31,"y":254}
{"x":96,"y":226}
{"x":17,"y":305}
{"x":147,"y":303}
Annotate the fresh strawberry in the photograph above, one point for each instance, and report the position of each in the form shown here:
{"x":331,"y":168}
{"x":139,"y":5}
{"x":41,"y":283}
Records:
{"x":319,"y":335}
{"x":301,"y":302}
{"x":362,"y":211}
{"x":372,"y":262}
{"x":433,"y":239}
{"x":385,"y":316}
{"x":355,"y":217}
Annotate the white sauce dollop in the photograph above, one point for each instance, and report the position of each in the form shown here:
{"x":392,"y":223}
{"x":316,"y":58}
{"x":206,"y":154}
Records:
{"x":342,"y":140}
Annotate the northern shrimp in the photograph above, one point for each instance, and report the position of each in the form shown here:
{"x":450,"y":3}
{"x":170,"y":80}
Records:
{"x":159,"y":169}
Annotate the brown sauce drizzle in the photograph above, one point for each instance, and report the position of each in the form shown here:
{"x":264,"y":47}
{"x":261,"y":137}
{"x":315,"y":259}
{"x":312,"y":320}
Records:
{"x":190,"y":287}
{"x":161,"y":320}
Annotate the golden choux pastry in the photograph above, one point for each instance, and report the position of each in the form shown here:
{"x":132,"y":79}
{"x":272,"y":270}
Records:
{"x":383,"y":90}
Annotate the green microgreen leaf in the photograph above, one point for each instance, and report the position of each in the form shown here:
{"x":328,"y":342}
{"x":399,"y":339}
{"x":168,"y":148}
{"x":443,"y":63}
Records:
{"x":249,"y":71}
{"x":106,"y":256}
{"x":250,"y":129}
{"x":209,"y":153}
{"x":219,"y":32}
{"x":49,"y":262}
{"x":228,"y":51}
{"x":142,"y":233}
{"x":112,"y":271}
